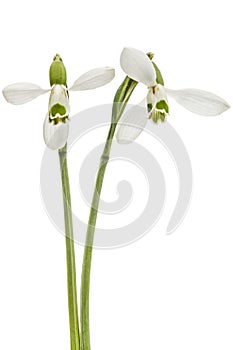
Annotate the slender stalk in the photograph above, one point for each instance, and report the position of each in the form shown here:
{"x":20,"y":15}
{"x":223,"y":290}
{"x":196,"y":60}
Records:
{"x":70,"y":253}
{"x":121,"y":98}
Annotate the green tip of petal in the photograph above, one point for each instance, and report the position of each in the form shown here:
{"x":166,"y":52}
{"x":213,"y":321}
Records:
{"x":157,"y":116}
{"x":162,"y":105}
{"x":57,"y":72}
{"x":57,"y":109}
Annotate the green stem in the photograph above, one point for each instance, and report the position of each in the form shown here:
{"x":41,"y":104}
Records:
{"x":70,"y":253}
{"x":121,"y":98}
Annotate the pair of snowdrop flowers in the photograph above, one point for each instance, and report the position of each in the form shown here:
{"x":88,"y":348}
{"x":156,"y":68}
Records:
{"x":56,"y":124}
{"x":139,"y":67}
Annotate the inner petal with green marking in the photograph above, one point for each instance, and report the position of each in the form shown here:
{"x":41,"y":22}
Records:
{"x":159,"y":111}
{"x":59,"y":102}
{"x":157,"y":104}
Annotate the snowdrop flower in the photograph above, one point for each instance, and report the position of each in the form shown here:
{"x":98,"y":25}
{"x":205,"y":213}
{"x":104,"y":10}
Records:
{"x":56,"y":124}
{"x":138,"y":66}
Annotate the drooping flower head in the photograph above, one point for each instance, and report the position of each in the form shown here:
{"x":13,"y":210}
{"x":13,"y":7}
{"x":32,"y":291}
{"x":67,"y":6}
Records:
{"x":56,"y":124}
{"x":140,"y":67}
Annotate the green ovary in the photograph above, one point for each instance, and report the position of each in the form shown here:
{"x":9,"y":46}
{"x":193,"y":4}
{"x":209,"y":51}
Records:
{"x":57,"y":72}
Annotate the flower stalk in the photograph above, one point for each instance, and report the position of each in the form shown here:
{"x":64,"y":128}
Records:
{"x":70,"y":253}
{"x":121,"y":98}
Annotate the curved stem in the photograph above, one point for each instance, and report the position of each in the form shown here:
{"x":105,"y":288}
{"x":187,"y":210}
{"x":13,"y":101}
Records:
{"x":86,"y":268}
{"x":70,"y":253}
{"x":121,"y":98}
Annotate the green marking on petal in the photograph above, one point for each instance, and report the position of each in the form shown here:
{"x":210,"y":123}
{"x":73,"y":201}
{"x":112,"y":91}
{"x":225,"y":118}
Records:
{"x":57,"y":120}
{"x":158,"y":115}
{"x":162,"y":117}
{"x":149,"y":107}
{"x":57,"y":72}
{"x":162,"y":105}
{"x":57,"y":109}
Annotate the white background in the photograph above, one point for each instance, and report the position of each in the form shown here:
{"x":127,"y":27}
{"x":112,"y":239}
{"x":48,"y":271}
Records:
{"x":162,"y":292}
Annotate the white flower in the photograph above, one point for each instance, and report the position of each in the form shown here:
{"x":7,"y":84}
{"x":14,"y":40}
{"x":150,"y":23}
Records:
{"x":138,"y":66}
{"x":56,"y":124}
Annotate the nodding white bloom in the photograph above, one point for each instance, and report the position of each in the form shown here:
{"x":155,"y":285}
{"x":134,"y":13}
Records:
{"x":56,"y":124}
{"x":138,"y":66}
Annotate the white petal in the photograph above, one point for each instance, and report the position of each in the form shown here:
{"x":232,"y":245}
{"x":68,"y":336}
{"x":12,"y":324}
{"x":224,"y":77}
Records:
{"x":59,"y":95}
{"x":199,"y":101}
{"x":55,"y":136}
{"x":93,"y":79}
{"x":20,"y":93}
{"x":161,"y":93}
{"x":137,"y":65}
{"x":132,"y":124}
